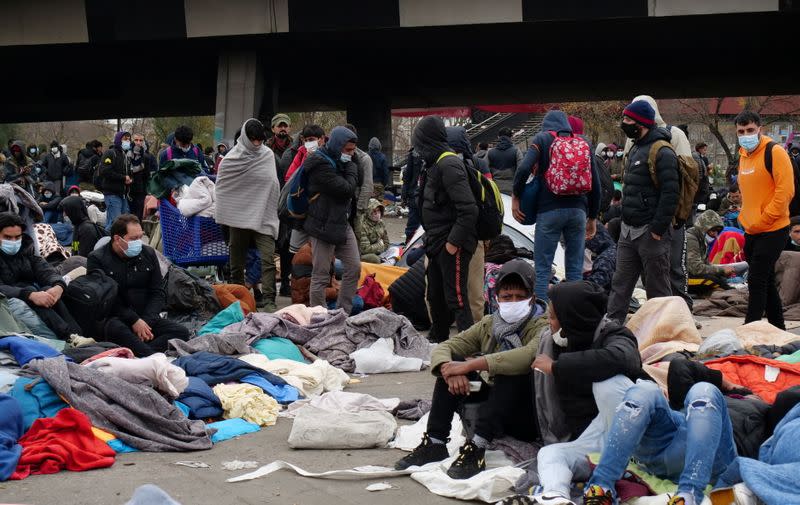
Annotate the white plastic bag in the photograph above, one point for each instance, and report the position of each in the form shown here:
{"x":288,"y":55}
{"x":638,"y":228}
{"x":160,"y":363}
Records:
{"x":380,"y":358}
{"x":315,"y":428}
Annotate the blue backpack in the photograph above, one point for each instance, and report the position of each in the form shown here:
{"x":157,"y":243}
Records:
{"x":298,"y":200}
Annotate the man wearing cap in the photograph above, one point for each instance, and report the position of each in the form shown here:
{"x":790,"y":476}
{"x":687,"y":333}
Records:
{"x":281,"y":139}
{"x":489,"y":363}
{"x":647,"y":211}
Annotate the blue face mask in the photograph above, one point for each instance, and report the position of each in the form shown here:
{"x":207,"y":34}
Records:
{"x":11,"y":247}
{"x":346,"y":158}
{"x":126,"y":145}
{"x":134,"y":248}
{"x":749,"y":142}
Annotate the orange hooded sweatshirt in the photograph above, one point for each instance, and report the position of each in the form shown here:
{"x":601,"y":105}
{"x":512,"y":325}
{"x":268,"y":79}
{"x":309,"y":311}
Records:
{"x":765,"y":197}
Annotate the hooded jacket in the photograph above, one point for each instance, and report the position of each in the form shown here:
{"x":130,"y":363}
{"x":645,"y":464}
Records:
{"x":504,"y":159}
{"x":11,"y":164}
{"x":141,"y":291}
{"x":459,"y":142}
{"x":410,"y":191}
{"x":642,"y":202}
{"x":380,"y":168}
{"x":87,"y":160}
{"x":678,"y":139}
{"x":604,"y":259}
{"x":114,"y":167}
{"x":331,"y":189}
{"x":374,"y":238}
{"x":364,"y":192}
{"x":697,"y":264}
{"x":85,"y":233}
{"x":538,"y":155}
{"x":765,"y":196}
{"x":597,"y":349}
{"x":24,"y":273}
{"x":56,"y":168}
{"x":49,"y":204}
{"x":448,"y":210}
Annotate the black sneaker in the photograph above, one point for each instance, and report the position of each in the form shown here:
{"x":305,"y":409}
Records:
{"x":258,"y":295}
{"x":470,"y":462}
{"x":424,"y":453}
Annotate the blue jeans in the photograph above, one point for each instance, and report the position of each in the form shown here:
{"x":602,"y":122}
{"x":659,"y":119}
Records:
{"x":51,"y":216}
{"x":691,"y":449}
{"x":550,"y":226}
{"x":115,"y":207}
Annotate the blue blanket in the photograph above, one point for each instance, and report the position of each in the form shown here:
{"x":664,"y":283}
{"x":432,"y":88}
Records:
{"x":10,"y":431}
{"x":25,"y":349}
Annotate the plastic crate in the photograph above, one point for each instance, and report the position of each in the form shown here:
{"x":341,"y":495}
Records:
{"x":191,"y":240}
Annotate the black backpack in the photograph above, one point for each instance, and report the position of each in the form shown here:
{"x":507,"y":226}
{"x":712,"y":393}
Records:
{"x":87,"y":165}
{"x":90,"y":298}
{"x":606,"y":184}
{"x":794,"y":205}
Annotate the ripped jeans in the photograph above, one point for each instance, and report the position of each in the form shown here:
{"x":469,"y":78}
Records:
{"x":692,"y":447}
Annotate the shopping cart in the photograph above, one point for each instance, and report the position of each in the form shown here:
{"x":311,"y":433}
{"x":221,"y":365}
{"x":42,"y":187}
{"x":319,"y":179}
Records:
{"x":191,"y":241}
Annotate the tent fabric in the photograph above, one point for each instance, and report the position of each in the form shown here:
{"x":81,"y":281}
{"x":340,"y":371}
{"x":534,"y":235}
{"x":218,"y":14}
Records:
{"x":385,"y":275}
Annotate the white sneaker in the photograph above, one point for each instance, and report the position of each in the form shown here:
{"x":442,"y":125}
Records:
{"x":552,"y":499}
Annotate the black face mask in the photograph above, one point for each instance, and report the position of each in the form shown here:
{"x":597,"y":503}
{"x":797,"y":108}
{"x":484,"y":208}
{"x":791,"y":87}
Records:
{"x":632,"y":130}
{"x":282,"y":135}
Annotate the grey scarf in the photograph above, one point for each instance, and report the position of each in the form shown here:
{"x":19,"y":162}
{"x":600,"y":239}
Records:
{"x":506,"y":334}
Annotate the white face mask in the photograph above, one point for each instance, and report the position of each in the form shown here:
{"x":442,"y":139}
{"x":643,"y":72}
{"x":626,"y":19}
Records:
{"x":710,"y":239}
{"x":311,"y":146}
{"x":512,"y":312}
{"x":559,"y":340}
{"x":54,"y":150}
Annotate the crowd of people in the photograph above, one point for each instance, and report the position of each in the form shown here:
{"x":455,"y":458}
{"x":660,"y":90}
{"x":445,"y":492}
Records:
{"x":539,"y":336}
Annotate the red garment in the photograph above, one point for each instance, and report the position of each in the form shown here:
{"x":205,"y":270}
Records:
{"x":65,"y":441}
{"x":748,"y":371}
{"x":117,"y":352}
{"x":728,"y":248}
{"x":298,"y":160}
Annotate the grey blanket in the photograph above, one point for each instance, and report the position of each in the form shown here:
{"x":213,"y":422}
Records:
{"x":335,"y":344}
{"x":227,"y":344}
{"x":261,"y":325}
{"x":136,"y":414}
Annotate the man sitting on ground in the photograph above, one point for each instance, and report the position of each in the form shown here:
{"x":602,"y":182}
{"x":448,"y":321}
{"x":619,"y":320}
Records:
{"x":703,"y":276}
{"x":136,"y":322}
{"x":501,"y":348}
{"x":30,"y":278}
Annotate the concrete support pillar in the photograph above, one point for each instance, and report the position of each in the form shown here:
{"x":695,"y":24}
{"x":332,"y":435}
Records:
{"x":372,"y":117}
{"x":240,"y":92}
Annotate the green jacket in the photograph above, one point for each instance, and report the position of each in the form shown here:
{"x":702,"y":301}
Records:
{"x":373,"y":237}
{"x":478,"y":339}
{"x":697,"y":264}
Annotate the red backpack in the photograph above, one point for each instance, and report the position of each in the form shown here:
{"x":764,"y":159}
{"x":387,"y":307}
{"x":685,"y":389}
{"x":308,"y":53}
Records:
{"x":371,"y":292}
{"x":570,"y":170}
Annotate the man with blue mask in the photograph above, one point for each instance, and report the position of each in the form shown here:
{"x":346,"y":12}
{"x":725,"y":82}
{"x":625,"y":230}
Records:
{"x":489,"y":363}
{"x":766,"y":179}
{"x":115,"y":177}
{"x":182,"y":148}
{"x":135,"y":320}
{"x":28,"y":277}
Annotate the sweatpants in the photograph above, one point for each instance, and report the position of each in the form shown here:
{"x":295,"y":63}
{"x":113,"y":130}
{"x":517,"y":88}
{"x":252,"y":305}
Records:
{"x":506,"y":408}
{"x":633,"y":257}
{"x":240,"y":239}
{"x":678,"y":277}
{"x":322,"y":255}
{"x":58,"y":319}
{"x":762,"y":251}
{"x":448,"y":293}
{"x":164,"y":330}
{"x":477,"y":273}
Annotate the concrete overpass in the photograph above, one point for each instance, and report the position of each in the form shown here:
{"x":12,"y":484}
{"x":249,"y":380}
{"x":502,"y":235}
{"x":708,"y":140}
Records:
{"x":79,"y":59}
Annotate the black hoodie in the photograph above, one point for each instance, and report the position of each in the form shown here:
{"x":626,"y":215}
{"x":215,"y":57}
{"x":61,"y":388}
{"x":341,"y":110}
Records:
{"x":448,"y":209}
{"x":85,"y":232}
{"x":597,"y":349}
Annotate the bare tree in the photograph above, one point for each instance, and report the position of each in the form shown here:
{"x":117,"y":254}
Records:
{"x":600,"y":119}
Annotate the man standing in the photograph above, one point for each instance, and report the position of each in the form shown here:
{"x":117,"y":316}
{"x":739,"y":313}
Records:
{"x":115,"y":172}
{"x":135,"y":322}
{"x":765,"y":213}
{"x":56,"y":166}
{"x":142,"y":165}
{"x":647,"y":211}
{"x":281,"y":139}
{"x":381,"y":173}
{"x":449,"y":215}
{"x":182,"y":148}
{"x":504,"y":158}
{"x":572,"y":216}
{"x":410,"y":192}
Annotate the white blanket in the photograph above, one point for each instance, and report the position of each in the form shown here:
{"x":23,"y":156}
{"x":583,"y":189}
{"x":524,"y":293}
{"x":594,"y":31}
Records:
{"x":311,"y":380}
{"x":380,"y":358}
{"x":154,"y":370}
{"x":198,"y":199}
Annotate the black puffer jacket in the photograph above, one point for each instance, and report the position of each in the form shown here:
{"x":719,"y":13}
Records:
{"x":331,"y":190}
{"x":141,"y":287}
{"x":19,"y":273}
{"x":449,"y":213}
{"x":643,"y":203}
{"x":597,"y":349}
{"x":411,"y":178}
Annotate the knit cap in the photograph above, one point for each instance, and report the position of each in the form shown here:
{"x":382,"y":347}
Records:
{"x":641,"y":112}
